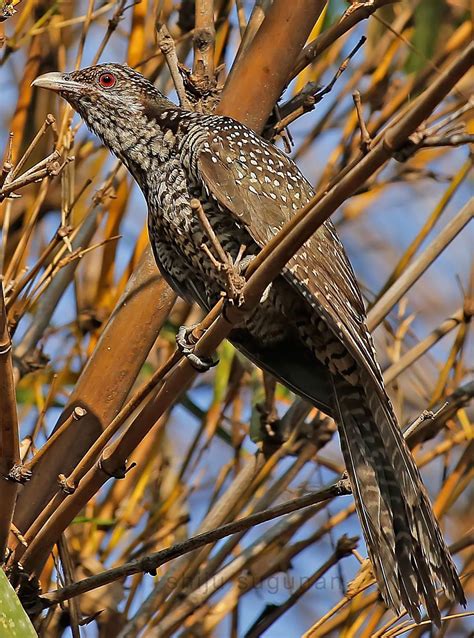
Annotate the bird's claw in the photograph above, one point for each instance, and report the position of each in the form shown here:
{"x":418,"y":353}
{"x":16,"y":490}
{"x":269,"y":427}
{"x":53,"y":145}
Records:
{"x":186,"y":342}
{"x":236,"y":275}
{"x":233,"y":269}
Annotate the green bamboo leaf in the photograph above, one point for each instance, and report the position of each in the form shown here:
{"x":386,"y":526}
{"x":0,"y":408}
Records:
{"x":221,"y":378}
{"x":13,"y":619}
{"x":258,"y":397}
{"x":101,"y":522}
{"x":428,"y":19}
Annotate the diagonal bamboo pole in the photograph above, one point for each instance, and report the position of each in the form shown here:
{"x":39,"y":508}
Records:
{"x":255,"y":78}
{"x":9,"y":437}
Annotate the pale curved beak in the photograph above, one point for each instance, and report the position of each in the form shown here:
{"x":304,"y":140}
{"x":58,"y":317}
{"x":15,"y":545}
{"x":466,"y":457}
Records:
{"x":56,"y":82}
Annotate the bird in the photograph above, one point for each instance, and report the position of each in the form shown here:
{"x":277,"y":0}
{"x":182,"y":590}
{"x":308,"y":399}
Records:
{"x":309,"y":328}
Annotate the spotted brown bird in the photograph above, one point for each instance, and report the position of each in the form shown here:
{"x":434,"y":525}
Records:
{"x":309,"y":328}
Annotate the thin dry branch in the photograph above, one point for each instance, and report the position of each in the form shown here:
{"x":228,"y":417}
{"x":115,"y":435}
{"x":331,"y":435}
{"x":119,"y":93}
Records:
{"x":365,"y":139}
{"x":51,"y":296}
{"x":151,"y":563}
{"x":311,"y":94}
{"x":166,"y":44}
{"x":412,"y":355}
{"x":344,"y":547}
{"x":455,"y":401}
{"x":354,"y":14}
{"x":409,"y":253}
{"x":383,"y":306}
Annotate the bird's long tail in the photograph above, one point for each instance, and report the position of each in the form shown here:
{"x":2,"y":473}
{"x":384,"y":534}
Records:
{"x":403,"y":538}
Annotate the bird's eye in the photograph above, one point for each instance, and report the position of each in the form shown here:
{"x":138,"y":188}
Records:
{"x":107,"y":80}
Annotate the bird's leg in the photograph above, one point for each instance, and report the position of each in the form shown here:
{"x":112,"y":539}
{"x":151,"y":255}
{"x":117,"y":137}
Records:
{"x":232,"y":268}
{"x":242,"y":264}
{"x":236,"y":280}
{"x":186,"y":340}
{"x":269,"y":421}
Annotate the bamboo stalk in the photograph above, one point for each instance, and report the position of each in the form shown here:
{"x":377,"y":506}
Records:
{"x":9,"y":436}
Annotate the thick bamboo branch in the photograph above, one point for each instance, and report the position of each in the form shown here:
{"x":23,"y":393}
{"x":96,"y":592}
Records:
{"x":9,"y":437}
{"x":255,"y":77}
{"x":204,"y":41}
{"x":104,"y":383}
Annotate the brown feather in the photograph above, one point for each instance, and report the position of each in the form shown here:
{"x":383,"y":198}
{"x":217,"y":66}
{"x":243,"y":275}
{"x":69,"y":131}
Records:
{"x":263,"y":188}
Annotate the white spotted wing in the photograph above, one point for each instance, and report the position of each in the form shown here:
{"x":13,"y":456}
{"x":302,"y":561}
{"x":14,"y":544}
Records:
{"x":264,"y":188}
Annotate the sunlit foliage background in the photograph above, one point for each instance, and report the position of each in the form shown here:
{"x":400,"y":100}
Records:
{"x":70,"y":242}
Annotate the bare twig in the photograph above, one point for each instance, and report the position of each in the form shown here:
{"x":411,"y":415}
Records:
{"x":257,"y":87}
{"x":307,"y":99}
{"x":355,"y":13}
{"x":412,"y":355}
{"x":365,"y":139}
{"x":166,"y":44}
{"x":235,"y":281}
{"x":458,"y":399}
{"x":418,"y":267}
{"x":50,"y":121}
{"x":344,"y":547}
{"x":452,"y":188}
{"x":49,"y":167}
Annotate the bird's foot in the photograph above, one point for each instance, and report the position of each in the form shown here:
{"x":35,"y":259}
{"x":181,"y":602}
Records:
{"x":236,"y":281}
{"x":270,"y":423}
{"x":186,"y":341}
{"x":233,"y":270}
{"x":240,"y":266}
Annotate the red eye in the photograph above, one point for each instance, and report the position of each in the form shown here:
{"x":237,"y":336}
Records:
{"x":107,"y":80}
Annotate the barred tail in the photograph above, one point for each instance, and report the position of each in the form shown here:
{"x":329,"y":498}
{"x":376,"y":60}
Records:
{"x":403,"y":538}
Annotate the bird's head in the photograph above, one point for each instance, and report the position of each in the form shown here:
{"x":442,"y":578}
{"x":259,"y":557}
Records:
{"x":111,"y":98}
